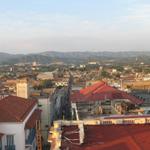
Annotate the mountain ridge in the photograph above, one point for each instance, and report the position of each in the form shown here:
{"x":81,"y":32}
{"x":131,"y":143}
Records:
{"x":70,"y":57}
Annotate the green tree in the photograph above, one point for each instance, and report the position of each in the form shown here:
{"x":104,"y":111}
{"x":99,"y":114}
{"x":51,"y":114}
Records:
{"x":47,"y":84}
{"x":119,"y":68}
{"x":105,"y":74}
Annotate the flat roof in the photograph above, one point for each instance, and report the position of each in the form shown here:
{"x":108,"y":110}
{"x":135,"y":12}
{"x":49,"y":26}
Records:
{"x":126,"y":116}
{"x":107,"y":137}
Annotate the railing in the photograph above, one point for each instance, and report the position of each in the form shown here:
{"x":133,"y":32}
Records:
{"x":128,"y":122}
{"x":10,"y":147}
{"x":106,"y":122}
{"x":31,"y":137}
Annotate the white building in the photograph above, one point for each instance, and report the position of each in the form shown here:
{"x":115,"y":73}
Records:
{"x":45,"y":116}
{"x":146,"y":78}
{"x":92,"y":63}
{"x":45,"y":76}
{"x":18,"y":118}
{"x":61,"y":83}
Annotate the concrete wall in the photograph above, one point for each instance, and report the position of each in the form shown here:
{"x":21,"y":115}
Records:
{"x":45,"y":117}
{"x":16,"y":129}
{"x":22,"y":90}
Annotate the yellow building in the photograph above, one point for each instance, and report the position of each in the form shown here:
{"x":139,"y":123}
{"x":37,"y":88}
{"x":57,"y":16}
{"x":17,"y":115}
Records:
{"x":22,"y":87}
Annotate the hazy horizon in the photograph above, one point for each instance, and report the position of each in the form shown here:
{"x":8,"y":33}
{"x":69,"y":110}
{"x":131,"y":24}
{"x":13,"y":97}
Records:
{"x":77,"y":51}
{"x":87,"y":25}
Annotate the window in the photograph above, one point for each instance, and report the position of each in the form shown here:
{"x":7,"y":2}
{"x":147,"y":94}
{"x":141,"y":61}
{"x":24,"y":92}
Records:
{"x":10,"y":140}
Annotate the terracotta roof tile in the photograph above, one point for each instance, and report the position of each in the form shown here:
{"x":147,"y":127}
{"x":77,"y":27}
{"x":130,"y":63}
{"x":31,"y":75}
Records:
{"x":36,"y":115}
{"x":15,"y":109}
{"x":92,"y":88}
{"x":108,"y":137}
{"x":101,"y":91}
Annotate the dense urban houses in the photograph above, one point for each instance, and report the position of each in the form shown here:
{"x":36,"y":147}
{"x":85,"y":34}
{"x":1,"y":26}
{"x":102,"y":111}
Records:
{"x":103,"y":118}
{"x":101,"y":99}
{"x":18,"y":118}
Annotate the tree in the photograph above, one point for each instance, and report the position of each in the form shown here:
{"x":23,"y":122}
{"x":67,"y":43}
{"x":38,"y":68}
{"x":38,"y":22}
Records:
{"x":47,"y":84}
{"x":119,"y":68}
{"x":105,"y":74}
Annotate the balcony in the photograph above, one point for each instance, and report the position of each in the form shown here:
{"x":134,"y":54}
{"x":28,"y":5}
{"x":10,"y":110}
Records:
{"x":10,"y":147}
{"x":31,"y":137}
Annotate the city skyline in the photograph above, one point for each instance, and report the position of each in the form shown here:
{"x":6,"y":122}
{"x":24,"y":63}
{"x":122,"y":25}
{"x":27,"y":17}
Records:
{"x":111,"y":25}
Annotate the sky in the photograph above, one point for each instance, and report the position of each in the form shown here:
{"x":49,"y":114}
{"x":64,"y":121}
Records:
{"x":31,"y":26}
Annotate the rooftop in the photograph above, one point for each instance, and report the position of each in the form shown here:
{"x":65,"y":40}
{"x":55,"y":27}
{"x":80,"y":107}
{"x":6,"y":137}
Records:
{"x":107,"y":137}
{"x":102,"y":91}
{"x":31,"y":123}
{"x":15,"y":109}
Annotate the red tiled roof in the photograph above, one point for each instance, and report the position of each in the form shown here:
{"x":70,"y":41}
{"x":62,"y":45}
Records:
{"x":92,"y":88}
{"x":32,"y":120}
{"x":107,"y":137}
{"x":102,"y":91}
{"x":15,"y":109}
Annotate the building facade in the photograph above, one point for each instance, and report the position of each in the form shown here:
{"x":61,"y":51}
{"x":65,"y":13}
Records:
{"x":22,"y":88}
{"x":18,"y":118}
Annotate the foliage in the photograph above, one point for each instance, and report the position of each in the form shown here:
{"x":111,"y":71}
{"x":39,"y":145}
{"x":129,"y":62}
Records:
{"x":47,"y":84}
{"x":105,"y":74}
{"x":119,"y":68}
{"x":44,"y":84}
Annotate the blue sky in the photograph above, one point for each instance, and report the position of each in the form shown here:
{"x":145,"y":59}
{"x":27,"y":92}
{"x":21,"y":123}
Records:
{"x":28,"y":26}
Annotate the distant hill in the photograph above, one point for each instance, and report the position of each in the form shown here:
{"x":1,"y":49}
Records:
{"x":97,"y":54}
{"x":74,"y":57}
{"x":6,"y":56}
